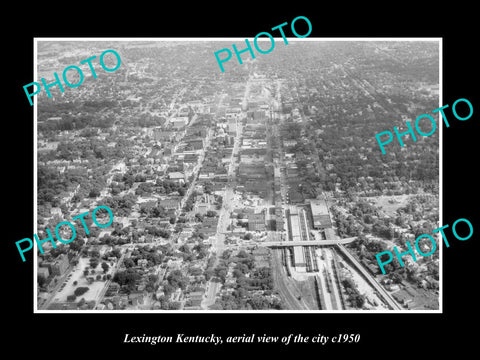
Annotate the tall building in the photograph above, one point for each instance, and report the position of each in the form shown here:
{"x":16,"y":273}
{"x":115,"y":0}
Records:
{"x":232,"y":126}
{"x":59,"y":265}
{"x":256,"y":222}
{"x":43,"y":272}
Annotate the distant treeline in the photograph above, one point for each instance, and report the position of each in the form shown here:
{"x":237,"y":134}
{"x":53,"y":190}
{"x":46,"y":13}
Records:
{"x":74,"y":115}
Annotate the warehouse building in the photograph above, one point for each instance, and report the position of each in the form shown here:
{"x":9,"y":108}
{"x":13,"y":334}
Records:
{"x":320,"y":214}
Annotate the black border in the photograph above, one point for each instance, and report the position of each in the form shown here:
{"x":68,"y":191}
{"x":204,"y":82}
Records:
{"x":381,"y":334}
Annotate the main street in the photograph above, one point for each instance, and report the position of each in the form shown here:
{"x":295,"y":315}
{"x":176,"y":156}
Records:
{"x":218,"y":244}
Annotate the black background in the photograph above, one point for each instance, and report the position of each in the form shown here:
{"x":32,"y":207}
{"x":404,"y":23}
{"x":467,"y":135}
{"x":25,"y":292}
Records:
{"x":61,"y":335}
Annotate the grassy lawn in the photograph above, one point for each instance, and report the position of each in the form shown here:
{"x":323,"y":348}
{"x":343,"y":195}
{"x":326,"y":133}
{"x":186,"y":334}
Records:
{"x":77,"y":275}
{"x":389,"y":204}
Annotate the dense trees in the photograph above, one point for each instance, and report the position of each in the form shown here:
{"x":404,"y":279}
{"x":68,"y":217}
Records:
{"x":189,"y":203}
{"x":249,"y":280}
{"x":211,"y":213}
{"x":153,"y":255}
{"x":209,"y":271}
{"x":117,"y":187}
{"x":177,"y":279}
{"x":121,"y":205}
{"x":165,"y":304}
{"x":291,"y":130}
{"x":60,"y":249}
{"x":258,"y":302}
{"x":147,"y":120}
{"x":74,"y":115}
{"x":241,"y":299}
{"x":94,"y":193}
{"x":144,"y":189}
{"x":77,"y":245}
{"x":220,"y":271}
{"x":152,"y":209}
{"x":50,"y":185}
{"x":201,"y":249}
{"x":195,"y":271}
{"x":90,"y":148}
{"x":168,"y":186}
{"x":260,"y":279}
{"x":80,"y":290}
{"x":127,"y":278}
{"x":128,"y":263}
{"x":354,"y":297}
{"x":208,"y":187}
{"x":93,"y":262}
{"x":352,"y":164}
{"x":156,"y":231}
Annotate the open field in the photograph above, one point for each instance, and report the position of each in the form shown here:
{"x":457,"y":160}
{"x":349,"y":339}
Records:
{"x":77,"y":275}
{"x":389,"y":204}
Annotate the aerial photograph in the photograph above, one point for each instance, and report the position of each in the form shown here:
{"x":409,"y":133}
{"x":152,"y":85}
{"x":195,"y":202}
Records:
{"x":258,"y":188}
